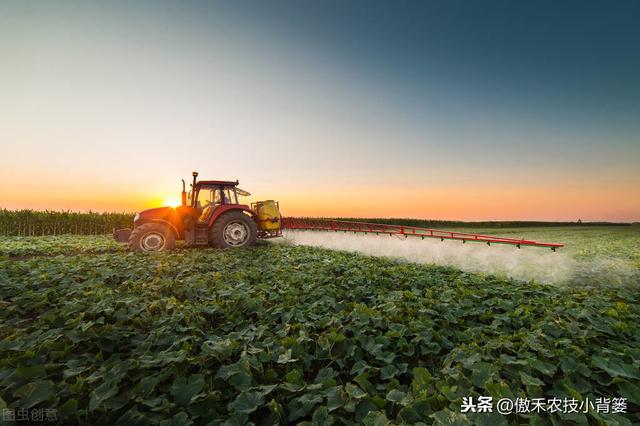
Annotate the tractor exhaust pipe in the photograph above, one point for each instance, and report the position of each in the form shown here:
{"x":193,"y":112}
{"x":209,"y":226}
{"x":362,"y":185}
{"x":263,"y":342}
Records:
{"x":184,"y":194}
{"x":195,"y":175}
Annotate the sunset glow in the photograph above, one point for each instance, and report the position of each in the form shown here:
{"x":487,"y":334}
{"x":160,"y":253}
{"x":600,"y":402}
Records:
{"x":498,"y":115}
{"x":171,"y":202}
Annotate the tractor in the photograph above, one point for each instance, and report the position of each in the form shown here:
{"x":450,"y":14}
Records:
{"x":209,"y":215}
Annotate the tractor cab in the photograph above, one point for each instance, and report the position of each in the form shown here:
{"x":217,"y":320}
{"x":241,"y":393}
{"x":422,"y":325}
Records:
{"x":208,"y":196}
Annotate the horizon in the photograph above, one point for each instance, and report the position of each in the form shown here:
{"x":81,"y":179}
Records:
{"x":466,"y":112}
{"x":577,"y":221}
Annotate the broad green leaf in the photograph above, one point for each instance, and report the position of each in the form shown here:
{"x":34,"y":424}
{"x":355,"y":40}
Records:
{"x":247,"y":402}
{"x":102,"y":393}
{"x":416,"y":411}
{"x":568,"y":365}
{"x":395,"y":395}
{"x":362,"y":380}
{"x":359,"y":367}
{"x":616,"y":368}
{"x":241,"y":380}
{"x":630,"y":391}
{"x":69,"y":408}
{"x":449,"y":418}
{"x":183,"y":388}
{"x":543,"y":367}
{"x":495,"y":419}
{"x":421,"y":377}
{"x":354,"y":391}
{"x":481,"y":372}
{"x":363,"y":408}
{"x":180,"y":419}
{"x":286,"y":358}
{"x":321,"y":417}
{"x":335,"y":398}
{"x":325,"y":376}
{"x":146,"y":386}
{"x":31,"y":372}
{"x":301,"y":406}
{"x":376,"y":418}
{"x":530,"y":380}
{"x":35,"y":392}
{"x":74,"y":371}
{"x":388,"y":372}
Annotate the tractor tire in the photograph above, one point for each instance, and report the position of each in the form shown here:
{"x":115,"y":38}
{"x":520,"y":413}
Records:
{"x":152,"y":237}
{"x":233,"y":230}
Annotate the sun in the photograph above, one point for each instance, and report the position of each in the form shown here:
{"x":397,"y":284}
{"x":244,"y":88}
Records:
{"x":171,"y":202}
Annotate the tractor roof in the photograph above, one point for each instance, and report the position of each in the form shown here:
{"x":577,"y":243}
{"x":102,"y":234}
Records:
{"x":217,"y":183}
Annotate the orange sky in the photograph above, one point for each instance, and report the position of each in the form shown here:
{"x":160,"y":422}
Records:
{"x":106,"y":106}
{"x":505,"y":201}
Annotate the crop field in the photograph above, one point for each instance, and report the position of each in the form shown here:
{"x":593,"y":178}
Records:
{"x":286,"y":333}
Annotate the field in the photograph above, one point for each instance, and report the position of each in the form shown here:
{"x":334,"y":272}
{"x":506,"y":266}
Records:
{"x":281,"y":333}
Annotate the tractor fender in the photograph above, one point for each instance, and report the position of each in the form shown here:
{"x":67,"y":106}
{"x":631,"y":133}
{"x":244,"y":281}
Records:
{"x":164,"y":222}
{"x":220,"y":210}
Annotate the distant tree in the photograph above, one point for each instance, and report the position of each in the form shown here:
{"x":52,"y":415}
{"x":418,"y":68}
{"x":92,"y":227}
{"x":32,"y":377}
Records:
{"x":579,"y":221}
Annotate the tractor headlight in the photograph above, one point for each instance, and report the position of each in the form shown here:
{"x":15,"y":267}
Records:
{"x":136,"y":217}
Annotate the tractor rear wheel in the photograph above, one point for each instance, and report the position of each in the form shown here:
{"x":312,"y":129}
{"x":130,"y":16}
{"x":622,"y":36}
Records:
{"x":150,"y":237}
{"x":234,"y":229}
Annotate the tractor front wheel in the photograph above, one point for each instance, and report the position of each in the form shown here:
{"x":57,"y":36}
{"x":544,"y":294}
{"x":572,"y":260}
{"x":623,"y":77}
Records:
{"x":151,"y":237}
{"x":234,"y":229}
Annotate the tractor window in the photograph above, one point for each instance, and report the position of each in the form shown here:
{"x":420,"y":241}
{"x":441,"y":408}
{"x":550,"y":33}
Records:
{"x":224,"y":196}
{"x":205,"y":198}
{"x":230,"y":195}
{"x":217,"y":196}
{"x":217,"y":200}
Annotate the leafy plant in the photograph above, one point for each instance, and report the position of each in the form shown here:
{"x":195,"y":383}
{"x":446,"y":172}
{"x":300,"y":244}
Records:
{"x":279,"y":334}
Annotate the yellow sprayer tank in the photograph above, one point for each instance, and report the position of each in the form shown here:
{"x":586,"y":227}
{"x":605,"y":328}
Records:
{"x":268,"y":215}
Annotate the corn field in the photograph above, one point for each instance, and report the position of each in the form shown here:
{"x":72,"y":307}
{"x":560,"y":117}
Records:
{"x":34,"y":222}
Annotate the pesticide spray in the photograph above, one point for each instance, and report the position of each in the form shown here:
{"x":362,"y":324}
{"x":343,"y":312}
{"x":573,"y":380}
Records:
{"x":506,"y":261}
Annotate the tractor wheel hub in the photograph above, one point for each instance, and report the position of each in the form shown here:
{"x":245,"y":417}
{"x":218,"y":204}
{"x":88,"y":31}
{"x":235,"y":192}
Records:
{"x":236,"y":233}
{"x":152,"y":241}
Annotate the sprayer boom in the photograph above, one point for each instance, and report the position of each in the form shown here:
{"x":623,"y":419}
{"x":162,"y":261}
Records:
{"x":378,"y":228}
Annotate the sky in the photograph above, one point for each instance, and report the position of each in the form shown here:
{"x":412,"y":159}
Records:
{"x":460,"y":110}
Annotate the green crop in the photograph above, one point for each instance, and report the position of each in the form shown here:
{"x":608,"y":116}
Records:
{"x":279,"y":334}
{"x":34,"y":222}
{"x":51,"y":245}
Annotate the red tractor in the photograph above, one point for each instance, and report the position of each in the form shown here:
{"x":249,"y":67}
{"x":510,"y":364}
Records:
{"x":209,"y":215}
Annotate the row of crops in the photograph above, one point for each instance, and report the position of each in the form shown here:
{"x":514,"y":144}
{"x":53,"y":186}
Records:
{"x":34,"y":222}
{"x":279,"y":334}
